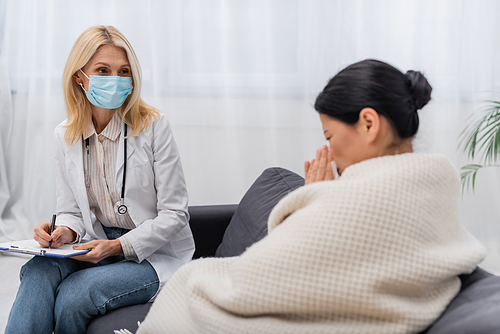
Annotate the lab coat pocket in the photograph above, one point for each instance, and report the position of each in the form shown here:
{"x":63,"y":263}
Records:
{"x":144,"y":176}
{"x":141,"y":188}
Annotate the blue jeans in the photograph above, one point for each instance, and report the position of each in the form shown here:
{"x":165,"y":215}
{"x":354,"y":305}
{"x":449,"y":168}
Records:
{"x":63,"y":295}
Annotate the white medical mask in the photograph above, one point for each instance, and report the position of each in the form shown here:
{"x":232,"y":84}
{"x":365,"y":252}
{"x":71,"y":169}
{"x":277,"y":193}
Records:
{"x":108,"y":92}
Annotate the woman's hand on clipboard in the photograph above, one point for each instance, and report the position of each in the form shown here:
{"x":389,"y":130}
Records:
{"x":99,"y":250}
{"x":61,"y":235}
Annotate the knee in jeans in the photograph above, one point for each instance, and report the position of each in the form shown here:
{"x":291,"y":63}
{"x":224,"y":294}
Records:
{"x":49,"y":267}
{"x":35,"y":265}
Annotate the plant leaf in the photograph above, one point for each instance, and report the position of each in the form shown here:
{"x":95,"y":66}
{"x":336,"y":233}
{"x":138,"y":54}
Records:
{"x":468,"y":176}
{"x":483,"y":134}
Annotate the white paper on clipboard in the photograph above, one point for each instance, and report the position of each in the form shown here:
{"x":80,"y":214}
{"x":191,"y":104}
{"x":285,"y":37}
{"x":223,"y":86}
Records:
{"x":32,"y":247}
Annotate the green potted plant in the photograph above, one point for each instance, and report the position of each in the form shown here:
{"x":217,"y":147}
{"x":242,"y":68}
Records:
{"x":481,"y":138}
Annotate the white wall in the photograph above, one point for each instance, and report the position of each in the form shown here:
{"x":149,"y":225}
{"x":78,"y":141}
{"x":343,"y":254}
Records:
{"x":238,"y":80}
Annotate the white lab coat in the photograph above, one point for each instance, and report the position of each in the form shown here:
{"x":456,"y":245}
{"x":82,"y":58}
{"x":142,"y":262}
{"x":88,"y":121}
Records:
{"x":155,"y":194}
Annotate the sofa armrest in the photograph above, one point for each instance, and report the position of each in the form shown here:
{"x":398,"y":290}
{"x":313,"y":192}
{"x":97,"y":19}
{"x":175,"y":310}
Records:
{"x":208,"y":224}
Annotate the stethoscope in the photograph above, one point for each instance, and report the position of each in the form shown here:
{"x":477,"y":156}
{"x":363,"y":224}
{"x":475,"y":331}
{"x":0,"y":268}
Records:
{"x":120,"y":207}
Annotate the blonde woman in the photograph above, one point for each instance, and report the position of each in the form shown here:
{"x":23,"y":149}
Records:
{"x":120,"y":183}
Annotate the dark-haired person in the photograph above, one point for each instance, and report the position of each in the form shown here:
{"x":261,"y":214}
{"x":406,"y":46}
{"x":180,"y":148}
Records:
{"x":378,"y":250}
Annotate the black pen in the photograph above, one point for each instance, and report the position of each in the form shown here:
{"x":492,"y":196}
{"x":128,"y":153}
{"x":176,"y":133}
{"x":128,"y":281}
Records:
{"x":52,"y":226}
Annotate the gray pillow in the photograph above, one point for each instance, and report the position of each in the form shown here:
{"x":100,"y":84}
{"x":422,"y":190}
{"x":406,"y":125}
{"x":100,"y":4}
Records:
{"x":249,"y":222}
{"x":475,"y":310}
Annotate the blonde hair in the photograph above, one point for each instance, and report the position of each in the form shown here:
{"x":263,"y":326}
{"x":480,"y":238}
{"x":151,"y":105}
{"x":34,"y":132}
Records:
{"x":134,"y":112}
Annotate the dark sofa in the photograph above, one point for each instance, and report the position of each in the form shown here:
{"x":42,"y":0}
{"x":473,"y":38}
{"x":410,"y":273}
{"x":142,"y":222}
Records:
{"x":227,"y":230}
{"x":208,"y":224}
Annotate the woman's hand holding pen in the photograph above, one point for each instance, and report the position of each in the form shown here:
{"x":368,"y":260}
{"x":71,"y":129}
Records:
{"x":61,"y":235}
{"x":319,"y":169}
{"x":99,"y":250}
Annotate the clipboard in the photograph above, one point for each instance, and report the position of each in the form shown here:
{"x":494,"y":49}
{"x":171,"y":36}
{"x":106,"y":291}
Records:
{"x":31,"y":247}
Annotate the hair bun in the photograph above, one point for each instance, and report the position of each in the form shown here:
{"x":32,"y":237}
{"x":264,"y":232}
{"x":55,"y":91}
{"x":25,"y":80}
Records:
{"x":419,"y":87}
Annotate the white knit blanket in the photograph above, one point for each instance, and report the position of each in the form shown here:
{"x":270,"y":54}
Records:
{"x":376,"y":251}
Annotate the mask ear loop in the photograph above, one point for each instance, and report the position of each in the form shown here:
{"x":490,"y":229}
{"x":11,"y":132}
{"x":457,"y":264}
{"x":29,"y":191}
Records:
{"x":81,"y":84}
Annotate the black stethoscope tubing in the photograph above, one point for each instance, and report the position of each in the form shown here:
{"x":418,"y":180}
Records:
{"x":120,"y":204}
